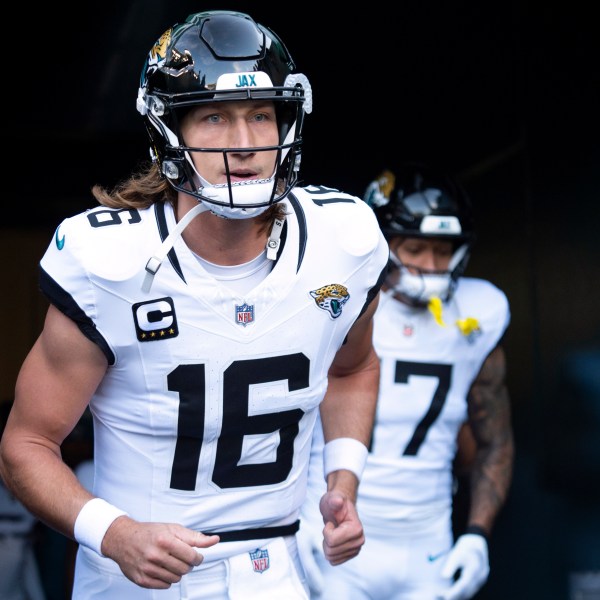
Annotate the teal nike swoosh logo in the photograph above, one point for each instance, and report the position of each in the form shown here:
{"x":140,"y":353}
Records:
{"x":433,"y":557}
{"x":60,"y":242}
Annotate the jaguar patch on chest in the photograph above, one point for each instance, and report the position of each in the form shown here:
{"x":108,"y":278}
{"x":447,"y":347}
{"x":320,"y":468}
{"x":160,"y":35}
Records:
{"x":331,"y":298}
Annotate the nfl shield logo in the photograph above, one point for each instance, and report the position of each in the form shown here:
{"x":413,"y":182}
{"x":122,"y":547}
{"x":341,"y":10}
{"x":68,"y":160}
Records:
{"x":244,"y":314}
{"x":260,"y":560}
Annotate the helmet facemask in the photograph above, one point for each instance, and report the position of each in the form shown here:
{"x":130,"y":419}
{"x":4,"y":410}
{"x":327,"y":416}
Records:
{"x":419,"y":286}
{"x":233,"y":199}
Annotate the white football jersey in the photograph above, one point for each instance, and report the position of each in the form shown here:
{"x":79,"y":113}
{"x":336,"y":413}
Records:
{"x":426,"y":372}
{"x":205,"y":415}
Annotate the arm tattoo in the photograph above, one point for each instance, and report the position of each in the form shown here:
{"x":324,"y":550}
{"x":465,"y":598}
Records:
{"x":490,"y":421}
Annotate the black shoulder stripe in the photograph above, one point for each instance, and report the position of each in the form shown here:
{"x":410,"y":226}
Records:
{"x":374,"y":290}
{"x":67,"y":305}
{"x":302,"y":230}
{"x":163,"y":230}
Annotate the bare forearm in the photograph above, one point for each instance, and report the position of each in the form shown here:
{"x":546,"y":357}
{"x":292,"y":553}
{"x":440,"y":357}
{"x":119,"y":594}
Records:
{"x":42,"y":482}
{"x":348,"y":409}
{"x":53,"y":388}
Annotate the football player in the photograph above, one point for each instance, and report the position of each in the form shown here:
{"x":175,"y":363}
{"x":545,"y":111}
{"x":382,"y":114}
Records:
{"x":205,"y":312}
{"x":439,"y":337}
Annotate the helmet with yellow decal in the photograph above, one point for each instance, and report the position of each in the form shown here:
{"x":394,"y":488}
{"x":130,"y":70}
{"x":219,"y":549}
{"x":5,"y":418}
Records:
{"x":217,"y":56}
{"x":419,"y":200}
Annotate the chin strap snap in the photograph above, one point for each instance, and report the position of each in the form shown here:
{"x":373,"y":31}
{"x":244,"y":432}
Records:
{"x":274,"y":240}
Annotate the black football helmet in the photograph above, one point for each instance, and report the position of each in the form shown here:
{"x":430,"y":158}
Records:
{"x":217,"y":56}
{"x":421,"y":201}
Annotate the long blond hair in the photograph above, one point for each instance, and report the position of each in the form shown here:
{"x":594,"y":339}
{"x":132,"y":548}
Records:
{"x":146,"y":186}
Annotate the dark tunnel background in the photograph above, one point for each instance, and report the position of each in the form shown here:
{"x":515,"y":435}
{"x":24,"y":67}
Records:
{"x":505,"y":94}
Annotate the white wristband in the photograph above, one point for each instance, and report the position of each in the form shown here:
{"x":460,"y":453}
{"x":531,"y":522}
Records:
{"x":93,"y":521}
{"x":344,"y":453}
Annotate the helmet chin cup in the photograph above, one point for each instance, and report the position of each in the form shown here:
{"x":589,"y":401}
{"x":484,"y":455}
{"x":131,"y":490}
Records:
{"x":245,"y":195}
{"x":419,"y":288}
{"x":236,"y":213}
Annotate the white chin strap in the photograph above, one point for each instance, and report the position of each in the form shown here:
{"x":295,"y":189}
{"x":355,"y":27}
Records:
{"x":421,"y":287}
{"x":154,"y":263}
